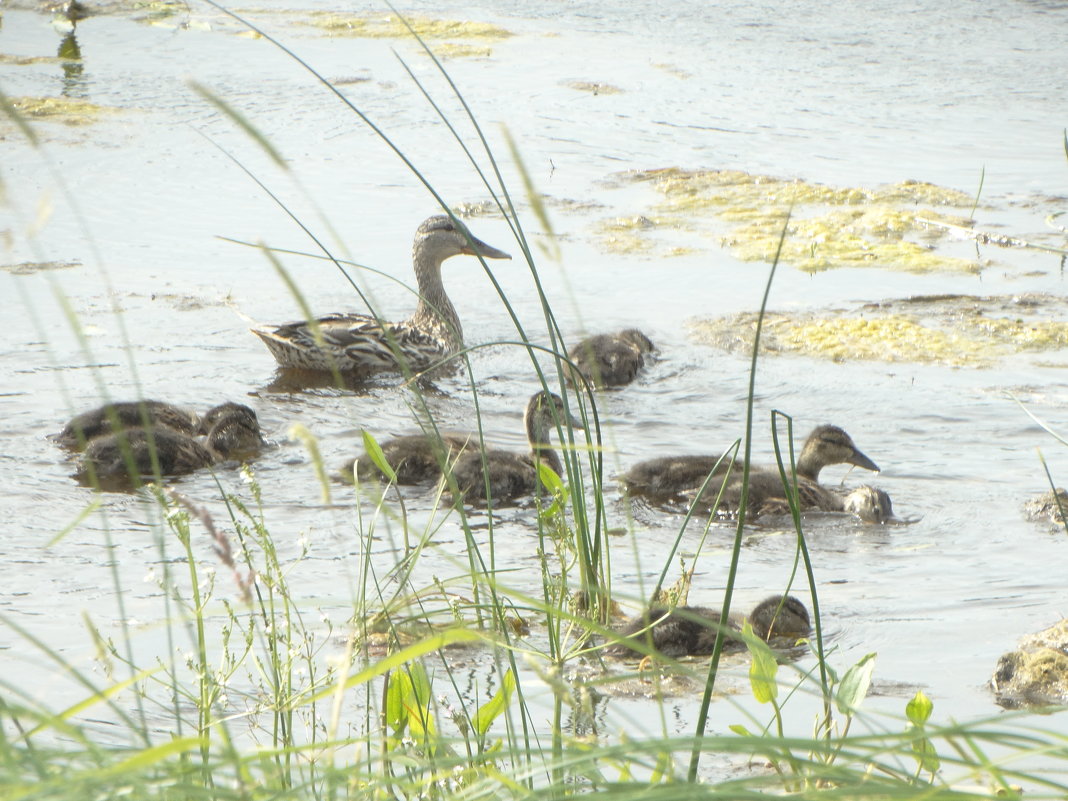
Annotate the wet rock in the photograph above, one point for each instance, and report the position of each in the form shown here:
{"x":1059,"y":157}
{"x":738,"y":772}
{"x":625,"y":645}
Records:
{"x":1036,"y":674}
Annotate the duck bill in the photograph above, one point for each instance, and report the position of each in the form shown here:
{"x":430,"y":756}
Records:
{"x":482,"y":249}
{"x":860,"y":460}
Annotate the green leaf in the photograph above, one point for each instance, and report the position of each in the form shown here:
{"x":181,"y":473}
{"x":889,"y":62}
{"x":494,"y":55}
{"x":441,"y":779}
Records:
{"x":763,"y":668}
{"x":398,"y":692}
{"x":548,"y":477}
{"x":918,"y":710}
{"x":854,"y":685}
{"x":492,"y":709}
{"x":370,"y":444}
{"x":738,"y":728}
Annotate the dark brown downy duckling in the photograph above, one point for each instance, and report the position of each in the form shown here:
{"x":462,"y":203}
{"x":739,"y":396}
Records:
{"x":512,"y":475}
{"x":118,"y":460}
{"x":233,"y":431}
{"x":675,"y":478}
{"x":610,"y":360}
{"x":362,"y":343}
{"x":691,"y":630}
{"x":414,"y":458}
{"x":125,"y":414}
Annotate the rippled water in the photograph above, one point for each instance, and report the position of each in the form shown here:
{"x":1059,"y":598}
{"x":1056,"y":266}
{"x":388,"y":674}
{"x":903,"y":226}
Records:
{"x":853,"y":95}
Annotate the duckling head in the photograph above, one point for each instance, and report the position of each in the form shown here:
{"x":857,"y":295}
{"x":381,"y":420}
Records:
{"x":828,"y":445}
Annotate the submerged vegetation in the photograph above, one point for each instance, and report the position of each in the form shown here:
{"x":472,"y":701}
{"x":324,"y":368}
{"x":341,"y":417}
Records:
{"x":256,"y":693}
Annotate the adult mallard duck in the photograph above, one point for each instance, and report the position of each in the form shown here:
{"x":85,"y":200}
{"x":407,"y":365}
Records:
{"x":691,"y":630}
{"x":125,"y":414}
{"x":361,"y":343}
{"x":675,"y":478}
{"x":610,"y":360}
{"x":511,"y":475}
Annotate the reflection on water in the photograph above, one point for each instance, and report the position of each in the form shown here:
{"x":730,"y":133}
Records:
{"x":75,"y":82}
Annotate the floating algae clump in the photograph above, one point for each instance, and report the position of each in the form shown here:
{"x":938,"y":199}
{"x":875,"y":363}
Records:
{"x":855,"y":237}
{"x":828,"y":226}
{"x":392,"y":27}
{"x":892,"y":339}
{"x":957,"y":330}
{"x":59,"y":109}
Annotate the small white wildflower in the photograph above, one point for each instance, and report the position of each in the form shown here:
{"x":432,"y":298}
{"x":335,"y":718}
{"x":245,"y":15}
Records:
{"x":150,"y":575}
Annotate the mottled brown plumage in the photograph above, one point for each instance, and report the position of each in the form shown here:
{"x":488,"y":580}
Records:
{"x":361,"y":343}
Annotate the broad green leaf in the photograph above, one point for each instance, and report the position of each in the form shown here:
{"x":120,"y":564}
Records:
{"x":398,"y":693}
{"x":738,"y":728}
{"x":493,"y":708}
{"x":854,"y":685}
{"x":370,"y":444}
{"x":918,"y":709}
{"x":548,"y":477}
{"x":762,"y":670}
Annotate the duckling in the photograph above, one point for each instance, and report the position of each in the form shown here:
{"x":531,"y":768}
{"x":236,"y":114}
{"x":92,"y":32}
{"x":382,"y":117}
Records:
{"x":414,"y":458}
{"x":870,"y":504}
{"x":361,"y":343}
{"x":691,"y":630}
{"x":674,"y":478}
{"x":233,"y":431}
{"x":512,"y":475}
{"x":127,"y":414}
{"x":107,"y":458}
{"x":609,"y":360}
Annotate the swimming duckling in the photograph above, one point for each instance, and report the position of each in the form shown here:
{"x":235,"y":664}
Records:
{"x":870,"y":504}
{"x":414,"y":458}
{"x":362,"y":343}
{"x":104,"y":461}
{"x":610,"y":360}
{"x":512,"y":475}
{"x":107,"y":458}
{"x":691,"y":630}
{"x":233,"y":431}
{"x":126,"y":414}
{"x":674,"y":478}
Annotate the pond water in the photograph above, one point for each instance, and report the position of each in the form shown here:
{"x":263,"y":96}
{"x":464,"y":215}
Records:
{"x":122,"y":214}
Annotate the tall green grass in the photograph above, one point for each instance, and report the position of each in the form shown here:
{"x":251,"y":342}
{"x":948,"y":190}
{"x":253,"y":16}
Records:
{"x":260,"y":698}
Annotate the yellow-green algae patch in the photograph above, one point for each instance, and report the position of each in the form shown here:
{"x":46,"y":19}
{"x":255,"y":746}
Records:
{"x":392,"y":27}
{"x":60,"y":109}
{"x":959,"y":330}
{"x":829,"y":226}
